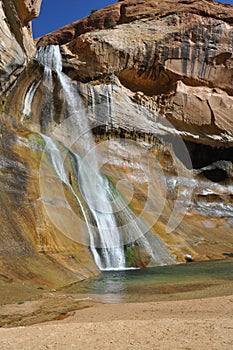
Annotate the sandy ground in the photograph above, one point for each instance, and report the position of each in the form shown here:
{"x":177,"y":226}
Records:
{"x":189,"y":324}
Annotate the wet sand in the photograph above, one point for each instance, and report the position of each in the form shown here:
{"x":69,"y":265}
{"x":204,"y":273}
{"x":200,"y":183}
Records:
{"x":184,"y":324}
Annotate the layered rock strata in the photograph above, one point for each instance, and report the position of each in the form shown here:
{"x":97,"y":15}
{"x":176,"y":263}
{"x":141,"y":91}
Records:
{"x":32,"y":249}
{"x":149,"y":72}
{"x":144,"y":62}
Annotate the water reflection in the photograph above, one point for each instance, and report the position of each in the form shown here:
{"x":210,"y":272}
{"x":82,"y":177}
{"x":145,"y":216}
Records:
{"x":184,"y":281}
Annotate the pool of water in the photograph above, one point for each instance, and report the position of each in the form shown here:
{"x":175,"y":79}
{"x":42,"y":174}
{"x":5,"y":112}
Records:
{"x":174,"y":282}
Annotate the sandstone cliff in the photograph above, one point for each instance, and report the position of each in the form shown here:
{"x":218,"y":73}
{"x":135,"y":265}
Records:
{"x":181,"y":50}
{"x":17,"y":46}
{"x":174,"y":59}
{"x":32,"y":249}
{"x":150,"y":72}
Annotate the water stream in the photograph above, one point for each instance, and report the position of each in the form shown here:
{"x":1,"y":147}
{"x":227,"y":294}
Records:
{"x":27,"y":105}
{"x":104,"y":209}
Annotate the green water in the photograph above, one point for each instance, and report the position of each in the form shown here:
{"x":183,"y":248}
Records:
{"x":174,"y":282}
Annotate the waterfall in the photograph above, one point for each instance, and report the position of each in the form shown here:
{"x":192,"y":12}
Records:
{"x":108,"y":239}
{"x":27,"y":103}
{"x":91,"y":182}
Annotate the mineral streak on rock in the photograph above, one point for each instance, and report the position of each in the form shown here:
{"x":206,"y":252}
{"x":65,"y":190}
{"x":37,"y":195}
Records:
{"x":32,"y":249}
{"x":180,"y":50}
{"x":132,"y":62}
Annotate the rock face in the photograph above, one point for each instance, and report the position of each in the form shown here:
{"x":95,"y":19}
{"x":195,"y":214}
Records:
{"x":173,"y":59}
{"x":179,"y":49}
{"x":183,"y":54}
{"x":128,"y":11}
{"x":32,"y":249}
{"x":17,"y":46}
{"x":150,"y":74}
{"x":27,"y":10}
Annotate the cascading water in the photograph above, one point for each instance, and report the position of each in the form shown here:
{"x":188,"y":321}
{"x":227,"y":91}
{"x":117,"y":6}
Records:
{"x":91,"y":182}
{"x":108,"y":239}
{"x":27,"y":110}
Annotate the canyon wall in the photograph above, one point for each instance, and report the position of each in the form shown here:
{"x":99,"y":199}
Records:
{"x":32,"y":249}
{"x":149,"y":73}
{"x":178,"y":50}
{"x":152,"y":70}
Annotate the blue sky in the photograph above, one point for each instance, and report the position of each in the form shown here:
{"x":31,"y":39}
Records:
{"x":55,"y":14}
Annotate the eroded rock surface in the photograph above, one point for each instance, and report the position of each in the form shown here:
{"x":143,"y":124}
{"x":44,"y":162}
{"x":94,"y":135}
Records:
{"x":32,"y":249}
{"x":184,"y":55}
{"x":17,"y":46}
{"x":148,"y":72}
{"x":27,"y":9}
{"x":142,"y":61}
{"x":175,"y":49}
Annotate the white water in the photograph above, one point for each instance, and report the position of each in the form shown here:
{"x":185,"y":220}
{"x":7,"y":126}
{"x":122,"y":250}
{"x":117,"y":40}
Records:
{"x":57,"y":159}
{"x":92,"y":183}
{"x":27,"y":103}
{"x":108,"y":240}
